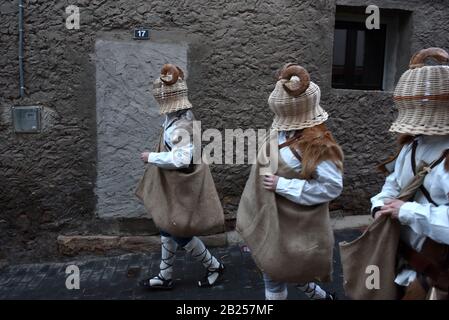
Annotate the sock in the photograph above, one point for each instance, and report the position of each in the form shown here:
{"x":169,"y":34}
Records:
{"x":276,"y":295}
{"x":199,"y":252}
{"x":312,"y":291}
{"x":168,"y":252}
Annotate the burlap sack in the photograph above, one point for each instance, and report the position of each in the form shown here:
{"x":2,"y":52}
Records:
{"x":288,"y":241}
{"x":377,"y":246}
{"x":180,"y":203}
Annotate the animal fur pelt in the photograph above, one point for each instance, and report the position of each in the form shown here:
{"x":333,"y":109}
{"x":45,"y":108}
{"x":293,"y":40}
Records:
{"x":317,"y":144}
{"x":446,"y":163}
{"x":403,"y":140}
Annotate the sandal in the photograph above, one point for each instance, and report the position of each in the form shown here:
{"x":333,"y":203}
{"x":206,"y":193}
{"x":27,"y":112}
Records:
{"x":163,"y":284}
{"x":207,"y":282}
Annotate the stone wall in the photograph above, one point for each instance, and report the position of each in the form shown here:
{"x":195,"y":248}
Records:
{"x":48,"y":180}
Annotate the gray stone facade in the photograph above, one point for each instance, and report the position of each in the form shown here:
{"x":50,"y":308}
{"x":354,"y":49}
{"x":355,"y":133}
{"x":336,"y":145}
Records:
{"x":128,"y":119}
{"x":57,"y":182}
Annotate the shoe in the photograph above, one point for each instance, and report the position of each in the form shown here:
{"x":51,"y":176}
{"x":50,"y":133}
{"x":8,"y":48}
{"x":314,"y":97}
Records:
{"x":331,"y":296}
{"x":205,"y":283}
{"x":163,"y":284}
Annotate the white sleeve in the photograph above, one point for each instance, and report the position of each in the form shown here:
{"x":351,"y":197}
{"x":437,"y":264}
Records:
{"x":325,"y":187}
{"x":179,"y":157}
{"x":427,"y":219}
{"x":391,"y":188}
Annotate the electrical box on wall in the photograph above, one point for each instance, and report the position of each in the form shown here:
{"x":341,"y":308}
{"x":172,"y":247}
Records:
{"x":26,"y":119}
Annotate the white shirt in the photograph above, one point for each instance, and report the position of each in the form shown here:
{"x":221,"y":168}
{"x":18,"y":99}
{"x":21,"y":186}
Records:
{"x":179,"y":156}
{"x":326,"y":186}
{"x":419,"y":218}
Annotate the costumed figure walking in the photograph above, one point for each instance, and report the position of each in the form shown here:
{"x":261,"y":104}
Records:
{"x":180,"y":195}
{"x":408,"y":241}
{"x":283,"y":214}
{"x":422,"y":98}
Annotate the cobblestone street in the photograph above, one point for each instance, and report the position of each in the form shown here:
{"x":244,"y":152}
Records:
{"x":117,"y":278}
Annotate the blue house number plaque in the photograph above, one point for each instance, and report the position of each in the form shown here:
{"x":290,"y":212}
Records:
{"x":141,"y":34}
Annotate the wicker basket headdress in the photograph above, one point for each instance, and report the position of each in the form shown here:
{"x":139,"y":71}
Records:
{"x":170,"y":90}
{"x":422,"y":96}
{"x":295,"y":100}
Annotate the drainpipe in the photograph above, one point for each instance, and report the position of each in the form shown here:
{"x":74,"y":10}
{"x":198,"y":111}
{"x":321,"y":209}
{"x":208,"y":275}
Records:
{"x":21,"y":81}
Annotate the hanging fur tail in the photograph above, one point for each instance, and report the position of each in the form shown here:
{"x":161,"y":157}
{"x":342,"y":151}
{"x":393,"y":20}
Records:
{"x":316,"y":145}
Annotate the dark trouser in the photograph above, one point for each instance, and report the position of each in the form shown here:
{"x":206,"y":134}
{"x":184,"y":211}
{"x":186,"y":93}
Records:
{"x":182,"y":242}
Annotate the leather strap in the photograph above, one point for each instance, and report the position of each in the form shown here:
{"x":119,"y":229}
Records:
{"x":295,"y":153}
{"x":289,"y":143}
{"x":292,"y":140}
{"x":165,"y":129}
{"x":191,"y":167}
{"x":423,"y":189}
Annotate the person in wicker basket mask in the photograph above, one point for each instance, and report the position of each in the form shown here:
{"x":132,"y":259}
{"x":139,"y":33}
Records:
{"x":422,"y":99}
{"x":180,"y":196}
{"x":283,"y":217}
